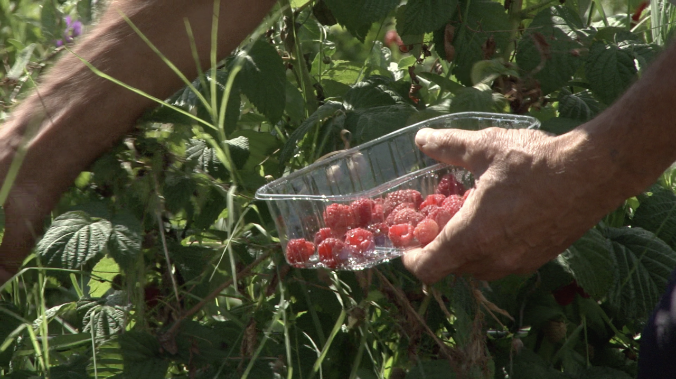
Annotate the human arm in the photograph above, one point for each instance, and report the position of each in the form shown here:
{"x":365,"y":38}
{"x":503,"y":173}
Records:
{"x":536,"y":194}
{"x":79,"y":115}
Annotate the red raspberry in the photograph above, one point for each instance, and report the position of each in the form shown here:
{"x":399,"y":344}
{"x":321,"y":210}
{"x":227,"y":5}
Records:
{"x":405,"y":196}
{"x":323,"y":234}
{"x":360,"y":239}
{"x":332,"y":252}
{"x":407,"y":215}
{"x":429,"y":208}
{"x":401,"y":235}
{"x":298,"y":251}
{"x":452,"y":204}
{"x":426,"y":231}
{"x":378,"y":214}
{"x":363,"y":211}
{"x":449,"y":185}
{"x":378,"y":229}
{"x":339,"y":217}
{"x":440,"y":215}
{"x":397,"y":209}
{"x":435,"y":199}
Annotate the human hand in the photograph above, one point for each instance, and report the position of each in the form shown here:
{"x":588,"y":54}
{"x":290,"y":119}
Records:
{"x":535,"y":195}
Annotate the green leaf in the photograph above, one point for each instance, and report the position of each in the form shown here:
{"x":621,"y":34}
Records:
{"x":75,"y":368}
{"x":645,"y":263}
{"x":84,"y":10}
{"x":124,"y":244}
{"x":373,"y":92}
{"x":480,"y":21}
{"x":321,"y":114}
{"x":265,"y":145}
{"x":657,"y":213}
{"x":211,"y":209}
{"x":263,"y":79}
{"x":50,"y":19}
{"x":480,"y":99}
{"x":142,"y":357}
{"x":555,"y":61}
{"x":609,"y":70}
{"x":578,"y":106}
{"x":444,"y":83}
{"x":358,"y":15}
{"x":643,"y":53}
{"x":424,"y":16}
{"x":177,"y":191}
{"x":371,"y":123}
{"x":485,"y":71}
{"x":239,"y":150}
{"x":74,"y":240}
{"x":109,"y":361}
{"x":591,"y":261}
{"x":105,"y":317}
{"x":379,"y":60}
{"x":21,"y":61}
{"x":342,"y":72}
{"x":205,"y":158}
{"x":190,"y":261}
{"x":294,"y":108}
{"x":102,"y":277}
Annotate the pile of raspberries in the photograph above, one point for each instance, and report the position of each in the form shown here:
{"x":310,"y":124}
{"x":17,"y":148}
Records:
{"x":403,"y":217}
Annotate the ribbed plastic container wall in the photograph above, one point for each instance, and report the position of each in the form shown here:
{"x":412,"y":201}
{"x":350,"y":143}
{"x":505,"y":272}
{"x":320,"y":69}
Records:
{"x":371,"y":170}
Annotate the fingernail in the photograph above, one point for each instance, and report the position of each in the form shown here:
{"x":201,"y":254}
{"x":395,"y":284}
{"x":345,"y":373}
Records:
{"x":423,"y":136}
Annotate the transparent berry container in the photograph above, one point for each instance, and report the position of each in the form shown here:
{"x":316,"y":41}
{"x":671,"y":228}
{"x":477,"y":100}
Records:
{"x":374,"y":170}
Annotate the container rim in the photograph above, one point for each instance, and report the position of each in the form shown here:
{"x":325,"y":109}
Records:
{"x":263,"y":193}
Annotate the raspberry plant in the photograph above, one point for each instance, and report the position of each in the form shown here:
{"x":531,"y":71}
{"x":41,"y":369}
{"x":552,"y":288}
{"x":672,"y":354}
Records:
{"x":159,"y":263}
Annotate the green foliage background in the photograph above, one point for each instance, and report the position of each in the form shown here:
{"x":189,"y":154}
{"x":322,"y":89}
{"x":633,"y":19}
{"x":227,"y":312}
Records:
{"x":159,"y":263}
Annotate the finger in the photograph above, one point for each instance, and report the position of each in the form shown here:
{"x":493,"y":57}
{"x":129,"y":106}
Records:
{"x":437,"y":260}
{"x":468,"y":149}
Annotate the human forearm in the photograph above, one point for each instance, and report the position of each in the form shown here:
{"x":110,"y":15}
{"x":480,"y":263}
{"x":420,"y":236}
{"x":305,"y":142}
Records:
{"x":79,"y":115}
{"x":536,"y":194}
{"x":634,"y":140}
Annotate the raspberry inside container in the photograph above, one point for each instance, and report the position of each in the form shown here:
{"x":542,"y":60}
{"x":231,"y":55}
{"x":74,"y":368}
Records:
{"x":371,"y":203}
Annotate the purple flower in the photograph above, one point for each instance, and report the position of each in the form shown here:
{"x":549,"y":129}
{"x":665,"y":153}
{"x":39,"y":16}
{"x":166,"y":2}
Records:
{"x":73,"y":29}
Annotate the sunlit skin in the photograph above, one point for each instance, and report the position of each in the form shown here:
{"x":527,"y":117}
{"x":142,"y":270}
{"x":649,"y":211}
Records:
{"x":535,"y":193}
{"x":79,"y":115}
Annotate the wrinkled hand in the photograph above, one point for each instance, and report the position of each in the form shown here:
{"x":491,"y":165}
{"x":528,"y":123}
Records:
{"x":535,"y":195}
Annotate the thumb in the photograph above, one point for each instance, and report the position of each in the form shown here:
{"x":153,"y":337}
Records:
{"x":456,"y":147}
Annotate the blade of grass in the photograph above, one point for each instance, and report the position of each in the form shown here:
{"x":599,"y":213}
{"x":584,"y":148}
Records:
{"x":166,"y":256}
{"x":287,"y":339}
{"x":602,"y":12}
{"x":325,"y":349}
{"x":44,"y":324}
{"x":231,"y":227}
{"x":360,"y":353}
{"x":214,"y":59}
{"x":195,"y":55}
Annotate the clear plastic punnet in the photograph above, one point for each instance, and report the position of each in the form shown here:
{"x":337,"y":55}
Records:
{"x":371,"y":203}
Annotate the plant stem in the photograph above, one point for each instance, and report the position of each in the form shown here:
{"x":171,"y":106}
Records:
{"x":296,"y":52}
{"x":514,"y":14}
